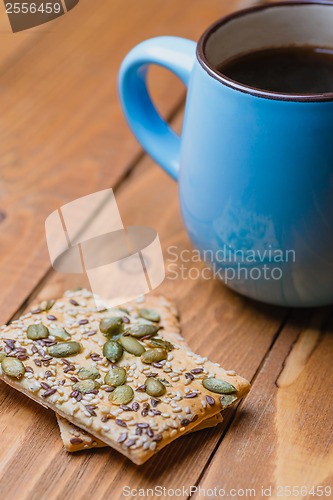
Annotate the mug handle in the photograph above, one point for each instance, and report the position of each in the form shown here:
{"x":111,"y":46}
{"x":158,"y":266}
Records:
{"x":153,"y":133}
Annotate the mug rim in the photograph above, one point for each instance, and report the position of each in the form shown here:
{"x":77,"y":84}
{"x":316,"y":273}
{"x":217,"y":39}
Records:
{"x":247,"y":89}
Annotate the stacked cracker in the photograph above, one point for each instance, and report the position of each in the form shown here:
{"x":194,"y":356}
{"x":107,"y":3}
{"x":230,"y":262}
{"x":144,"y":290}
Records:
{"x":122,"y":377}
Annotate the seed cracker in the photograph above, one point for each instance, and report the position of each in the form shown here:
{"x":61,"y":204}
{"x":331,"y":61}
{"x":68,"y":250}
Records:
{"x":138,"y":432}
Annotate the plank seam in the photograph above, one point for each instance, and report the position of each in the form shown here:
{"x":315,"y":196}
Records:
{"x":132,"y":166}
{"x":253,"y":379}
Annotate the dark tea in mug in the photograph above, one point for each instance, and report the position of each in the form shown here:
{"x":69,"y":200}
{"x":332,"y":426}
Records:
{"x":290,"y":70}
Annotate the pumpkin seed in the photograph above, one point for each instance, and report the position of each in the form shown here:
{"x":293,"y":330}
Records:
{"x":2,"y":355}
{"x":122,"y":395}
{"x":142,"y":330}
{"x":64,"y":350}
{"x":154,"y":387}
{"x":227,"y":401}
{"x":37,"y":332}
{"x":218,"y":386}
{"x":149,"y":314}
{"x":60,"y":333}
{"x":115,"y":377}
{"x":88,"y":372}
{"x":13,"y":367}
{"x":153,"y":356}
{"x":46,"y":305}
{"x":86,"y":386}
{"x":131,"y":345}
{"x":164,"y":344}
{"x":111,"y":326}
{"x":113,"y":351}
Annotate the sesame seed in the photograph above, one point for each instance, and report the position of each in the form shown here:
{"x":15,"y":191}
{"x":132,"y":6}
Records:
{"x":177,"y":409}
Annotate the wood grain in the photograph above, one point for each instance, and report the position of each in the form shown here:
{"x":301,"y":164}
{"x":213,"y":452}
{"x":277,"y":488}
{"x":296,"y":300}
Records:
{"x":283,"y":435}
{"x":61,"y":138}
{"x":216,"y":322}
{"x":62,"y":133}
{"x":13,"y":46}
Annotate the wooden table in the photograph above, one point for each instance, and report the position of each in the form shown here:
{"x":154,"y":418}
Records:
{"x":63,"y":136}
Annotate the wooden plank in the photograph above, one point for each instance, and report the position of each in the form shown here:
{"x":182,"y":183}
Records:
{"x":13,"y":45}
{"x":215,"y":322}
{"x":62,"y":133}
{"x":283,"y":435}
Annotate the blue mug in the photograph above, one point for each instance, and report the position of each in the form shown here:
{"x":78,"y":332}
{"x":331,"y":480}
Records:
{"x":255,"y":168}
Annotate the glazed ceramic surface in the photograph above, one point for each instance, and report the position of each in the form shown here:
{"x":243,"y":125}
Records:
{"x":255,"y":168}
